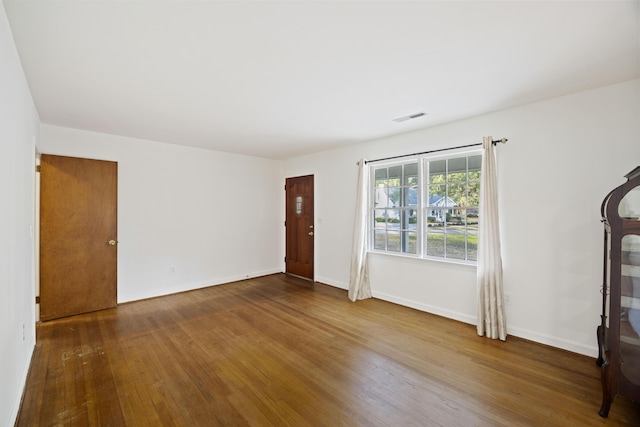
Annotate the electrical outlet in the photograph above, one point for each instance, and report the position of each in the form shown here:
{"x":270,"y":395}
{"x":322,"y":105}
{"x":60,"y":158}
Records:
{"x":24,"y":333}
{"x":172,"y":269}
{"x":507,"y":299}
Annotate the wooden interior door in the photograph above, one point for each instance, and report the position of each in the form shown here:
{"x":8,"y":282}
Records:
{"x":300,"y":231}
{"x":78,"y":236}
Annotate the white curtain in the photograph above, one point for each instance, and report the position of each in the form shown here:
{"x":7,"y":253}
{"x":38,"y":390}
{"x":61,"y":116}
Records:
{"x":359,"y":287}
{"x":491,"y":314}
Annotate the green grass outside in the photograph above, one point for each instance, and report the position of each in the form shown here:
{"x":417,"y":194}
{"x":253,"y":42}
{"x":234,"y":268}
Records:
{"x":435,"y":245}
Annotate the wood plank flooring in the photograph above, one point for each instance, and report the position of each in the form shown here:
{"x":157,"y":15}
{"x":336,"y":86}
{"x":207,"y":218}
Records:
{"x":281,"y":351}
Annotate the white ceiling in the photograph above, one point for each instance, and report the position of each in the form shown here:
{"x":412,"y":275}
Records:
{"x":279,"y":79}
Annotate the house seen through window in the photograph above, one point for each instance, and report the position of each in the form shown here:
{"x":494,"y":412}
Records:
{"x":427,"y":207}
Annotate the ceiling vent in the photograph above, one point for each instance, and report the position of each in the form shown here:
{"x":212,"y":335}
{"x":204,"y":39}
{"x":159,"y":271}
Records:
{"x":409,"y":117}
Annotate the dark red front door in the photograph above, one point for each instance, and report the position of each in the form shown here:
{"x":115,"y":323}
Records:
{"x":300,"y":231}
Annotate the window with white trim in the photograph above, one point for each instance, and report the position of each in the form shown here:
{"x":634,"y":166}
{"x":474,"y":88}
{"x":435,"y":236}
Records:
{"x":395,"y":208}
{"x":427,"y":207}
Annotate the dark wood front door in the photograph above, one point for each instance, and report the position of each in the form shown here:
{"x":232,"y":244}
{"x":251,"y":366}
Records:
{"x":78,"y":236}
{"x":300,"y":231}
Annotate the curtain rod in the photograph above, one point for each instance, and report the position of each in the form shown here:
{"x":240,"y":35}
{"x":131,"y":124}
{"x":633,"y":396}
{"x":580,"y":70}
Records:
{"x":503,"y":140}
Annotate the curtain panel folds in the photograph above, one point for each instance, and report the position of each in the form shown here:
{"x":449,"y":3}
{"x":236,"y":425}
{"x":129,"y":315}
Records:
{"x":491,"y":313}
{"x":359,"y":287}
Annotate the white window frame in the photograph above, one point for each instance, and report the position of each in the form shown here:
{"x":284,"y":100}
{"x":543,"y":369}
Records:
{"x":421,"y":208}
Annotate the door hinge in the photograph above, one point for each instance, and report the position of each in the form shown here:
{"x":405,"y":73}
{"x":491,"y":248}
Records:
{"x":37,"y":168}
{"x":285,"y":223}
{"x":285,"y":259}
{"x":38,"y":300}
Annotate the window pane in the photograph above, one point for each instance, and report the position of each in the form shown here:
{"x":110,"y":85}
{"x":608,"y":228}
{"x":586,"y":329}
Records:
{"x":299,"y":205}
{"x":437,"y":170}
{"x":379,"y":217}
{"x":435,"y":217}
{"x":381,"y":177}
{"x":455,"y":234}
{"x":393,"y":218}
{"x":475,"y":163}
{"x":395,"y":176}
{"x":461,"y":216}
{"x":436,"y":195}
{"x":379,"y":239}
{"x":472,"y":247}
{"x":455,"y":244}
{"x":455,"y":220}
{"x":457,"y":195}
{"x":473,"y":194}
{"x":435,"y":242}
{"x":411,"y":196}
{"x":410,"y":174}
{"x":380,"y":197}
{"x":409,"y":242}
{"x":472,"y":235}
{"x":393,"y":241}
{"x":409,"y":219}
{"x":472,"y":220}
{"x":457,"y":169}
{"x":393,"y":197}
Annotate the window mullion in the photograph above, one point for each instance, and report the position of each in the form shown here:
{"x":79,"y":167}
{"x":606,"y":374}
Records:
{"x":420,"y":227}
{"x":446,"y":205}
{"x":466,"y":211}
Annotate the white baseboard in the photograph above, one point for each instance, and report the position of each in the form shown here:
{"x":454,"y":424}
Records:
{"x":185,"y":287}
{"x":330,"y":282}
{"x":591,"y":351}
{"x":23,"y":380}
{"x":465,"y":318}
{"x":236,"y":278}
{"x":586,"y":350}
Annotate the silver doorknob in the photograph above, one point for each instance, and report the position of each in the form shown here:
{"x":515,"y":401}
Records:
{"x":311,"y":233}
{"x":112,"y":242}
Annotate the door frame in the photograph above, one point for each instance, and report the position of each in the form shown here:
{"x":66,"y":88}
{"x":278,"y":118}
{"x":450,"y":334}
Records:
{"x":36,"y":237}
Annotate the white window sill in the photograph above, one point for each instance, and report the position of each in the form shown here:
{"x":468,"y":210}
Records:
{"x":469,"y":264}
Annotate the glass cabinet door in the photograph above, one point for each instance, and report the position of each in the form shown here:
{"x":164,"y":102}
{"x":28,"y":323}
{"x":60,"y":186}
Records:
{"x":630,"y":308}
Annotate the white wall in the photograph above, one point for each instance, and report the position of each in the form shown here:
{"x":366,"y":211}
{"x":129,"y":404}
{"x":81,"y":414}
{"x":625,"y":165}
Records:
{"x":214,"y":217}
{"x":563,"y":157}
{"x":18,"y":135}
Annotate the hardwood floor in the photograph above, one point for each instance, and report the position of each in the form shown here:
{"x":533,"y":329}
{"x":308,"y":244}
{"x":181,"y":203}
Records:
{"x":281,"y":351}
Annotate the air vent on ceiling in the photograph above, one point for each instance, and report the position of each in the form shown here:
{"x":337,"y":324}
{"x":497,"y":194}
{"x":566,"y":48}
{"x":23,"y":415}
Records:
{"x":409,"y":117}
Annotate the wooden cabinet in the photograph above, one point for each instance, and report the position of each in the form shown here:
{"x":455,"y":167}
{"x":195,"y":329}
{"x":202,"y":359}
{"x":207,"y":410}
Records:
{"x":619,"y":331}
